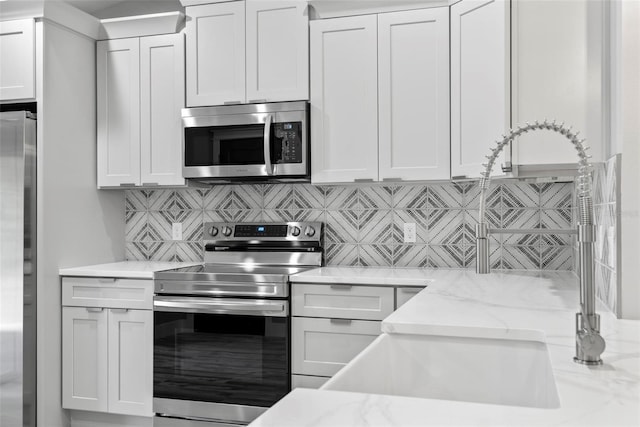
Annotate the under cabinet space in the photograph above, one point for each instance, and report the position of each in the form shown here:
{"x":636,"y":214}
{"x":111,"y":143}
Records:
{"x":405,"y":294}
{"x":342,"y":301}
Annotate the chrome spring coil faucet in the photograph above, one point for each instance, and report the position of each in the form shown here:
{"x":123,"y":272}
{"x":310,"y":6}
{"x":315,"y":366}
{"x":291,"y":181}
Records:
{"x":589,"y":343}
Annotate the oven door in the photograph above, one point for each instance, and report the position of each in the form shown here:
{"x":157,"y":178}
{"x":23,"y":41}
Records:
{"x":219,"y":358}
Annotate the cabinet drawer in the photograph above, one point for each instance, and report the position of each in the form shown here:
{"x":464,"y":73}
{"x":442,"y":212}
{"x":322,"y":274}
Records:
{"x":307,"y":381}
{"x":107,"y":292}
{"x":405,"y":294}
{"x":324,"y":346}
{"x":342,"y":301}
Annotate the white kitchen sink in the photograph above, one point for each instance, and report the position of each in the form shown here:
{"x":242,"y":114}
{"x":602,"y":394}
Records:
{"x":503,"y":372}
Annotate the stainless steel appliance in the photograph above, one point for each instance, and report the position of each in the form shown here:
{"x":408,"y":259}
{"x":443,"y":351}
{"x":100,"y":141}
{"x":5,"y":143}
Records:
{"x":17,"y":269}
{"x":222,"y":329}
{"x":254,"y":142}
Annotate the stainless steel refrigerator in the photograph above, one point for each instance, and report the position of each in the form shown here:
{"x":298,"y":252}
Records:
{"x":17,"y":269}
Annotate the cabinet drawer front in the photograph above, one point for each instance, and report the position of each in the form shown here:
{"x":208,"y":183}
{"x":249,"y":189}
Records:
{"x":324,"y":346}
{"x":342,"y":301}
{"x":307,"y":381}
{"x":107,"y":292}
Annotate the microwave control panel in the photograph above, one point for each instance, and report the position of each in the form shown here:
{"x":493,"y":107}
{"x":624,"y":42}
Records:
{"x":287,"y":142}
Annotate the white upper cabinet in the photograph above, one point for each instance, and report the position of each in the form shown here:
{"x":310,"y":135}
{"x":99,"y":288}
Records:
{"x":17,"y":60}
{"x":140,"y":94}
{"x":255,"y":55}
{"x":215,"y":54}
{"x":557,"y":63}
{"x":480,"y":81}
{"x":277,"y":51}
{"x":118,"y":76}
{"x":161,"y":99}
{"x":380,"y":97}
{"x":413,"y":90}
{"x":344,"y":99}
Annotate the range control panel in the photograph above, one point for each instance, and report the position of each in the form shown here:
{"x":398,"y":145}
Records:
{"x":268,"y":231}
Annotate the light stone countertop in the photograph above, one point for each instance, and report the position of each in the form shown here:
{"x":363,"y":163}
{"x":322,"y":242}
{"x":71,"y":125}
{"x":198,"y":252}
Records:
{"x":510,"y":305}
{"x":372,"y":276}
{"x":124,"y":269}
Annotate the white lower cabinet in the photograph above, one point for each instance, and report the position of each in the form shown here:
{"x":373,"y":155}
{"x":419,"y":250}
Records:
{"x":107,"y":352}
{"x":326,"y":345}
{"x":331,"y":325}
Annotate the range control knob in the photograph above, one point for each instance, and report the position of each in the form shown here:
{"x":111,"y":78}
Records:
{"x":309,"y":231}
{"x":226,"y":231}
{"x":295,"y":231}
{"x":213,"y":231}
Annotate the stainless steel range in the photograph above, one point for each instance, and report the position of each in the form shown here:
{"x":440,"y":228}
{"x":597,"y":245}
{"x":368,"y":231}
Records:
{"x":222,"y":329}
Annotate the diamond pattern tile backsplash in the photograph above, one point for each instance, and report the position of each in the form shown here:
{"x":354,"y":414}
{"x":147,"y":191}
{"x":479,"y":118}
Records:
{"x":364,"y":223}
{"x":606,"y":203}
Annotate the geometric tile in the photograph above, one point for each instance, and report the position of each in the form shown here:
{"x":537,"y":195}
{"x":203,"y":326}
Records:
{"x":556,"y":258}
{"x":233,"y":215}
{"x":447,"y":256}
{"x":520,"y":257}
{"x":375,"y":197}
{"x":411,"y":197}
{"x":342,"y":198}
{"x":341,"y":254}
{"x":376,"y":227}
{"x":136,"y":200}
{"x":446,"y":227}
{"x":189,"y":252}
{"x":410,"y":255}
{"x":445,"y":196}
{"x":279,"y":196}
{"x":520,"y":195}
{"x":556,"y":195}
{"x":135,"y":223}
{"x":375,"y":255}
{"x":341,"y":227}
{"x":309,"y":196}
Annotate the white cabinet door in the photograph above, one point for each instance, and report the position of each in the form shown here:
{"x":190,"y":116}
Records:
{"x":344,"y":99}
{"x":17,"y":59}
{"x":557,"y":63}
{"x":84,"y":358}
{"x":215,"y":54}
{"x":480,"y":79}
{"x":130,"y":361}
{"x":161,"y":99}
{"x":323,"y":346}
{"x":413,"y":86}
{"x":118,"y":75}
{"x":277,"y":50}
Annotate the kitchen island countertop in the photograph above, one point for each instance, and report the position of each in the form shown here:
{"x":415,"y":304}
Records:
{"x":536,"y":306}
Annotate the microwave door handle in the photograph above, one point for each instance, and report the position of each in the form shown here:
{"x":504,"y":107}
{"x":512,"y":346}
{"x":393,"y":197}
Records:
{"x":267,"y":145}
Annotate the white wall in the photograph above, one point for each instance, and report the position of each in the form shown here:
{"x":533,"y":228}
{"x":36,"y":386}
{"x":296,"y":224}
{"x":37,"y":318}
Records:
{"x":625,"y":116}
{"x":77,"y":224}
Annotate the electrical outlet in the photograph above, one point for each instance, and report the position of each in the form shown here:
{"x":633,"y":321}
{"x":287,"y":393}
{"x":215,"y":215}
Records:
{"x":176,"y":231}
{"x":409,"y":232}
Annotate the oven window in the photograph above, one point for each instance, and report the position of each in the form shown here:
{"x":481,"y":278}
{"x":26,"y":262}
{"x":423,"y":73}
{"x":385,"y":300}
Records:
{"x":221,"y":358}
{"x":224,"y":145}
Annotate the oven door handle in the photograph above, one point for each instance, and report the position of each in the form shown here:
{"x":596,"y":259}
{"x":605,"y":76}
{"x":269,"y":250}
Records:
{"x":267,"y":144}
{"x":221,"y":306}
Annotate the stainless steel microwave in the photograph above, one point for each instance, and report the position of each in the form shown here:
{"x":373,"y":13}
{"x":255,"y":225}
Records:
{"x":253,"y":142}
